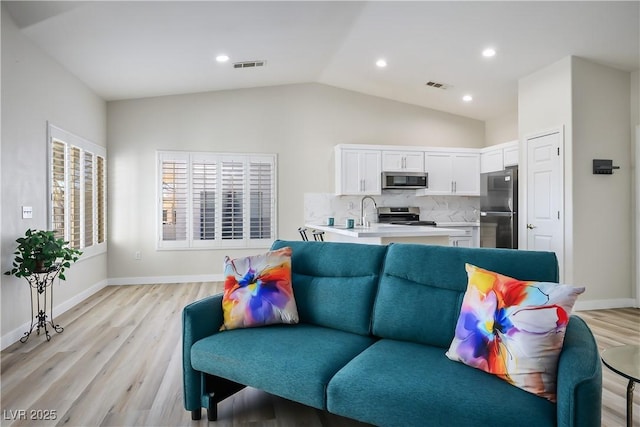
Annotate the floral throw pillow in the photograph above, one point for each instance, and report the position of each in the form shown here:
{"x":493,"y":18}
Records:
{"x":513,"y":329}
{"x":258,"y":291}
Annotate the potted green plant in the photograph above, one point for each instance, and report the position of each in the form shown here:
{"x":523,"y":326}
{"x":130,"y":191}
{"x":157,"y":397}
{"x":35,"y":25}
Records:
{"x":39,"y":251}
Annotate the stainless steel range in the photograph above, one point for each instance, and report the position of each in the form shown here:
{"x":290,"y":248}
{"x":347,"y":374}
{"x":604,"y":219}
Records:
{"x":402,"y":216}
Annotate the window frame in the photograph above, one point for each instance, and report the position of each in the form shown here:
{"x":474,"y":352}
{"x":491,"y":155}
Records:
{"x":190,"y":243}
{"x":70,"y":140}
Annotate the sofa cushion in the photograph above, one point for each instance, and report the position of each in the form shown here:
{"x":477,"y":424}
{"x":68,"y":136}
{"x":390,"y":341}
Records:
{"x":257,"y":290}
{"x":292,"y":361}
{"x":422,"y":286}
{"x":396,"y":383}
{"x":513,"y":329}
{"x":335,"y":283}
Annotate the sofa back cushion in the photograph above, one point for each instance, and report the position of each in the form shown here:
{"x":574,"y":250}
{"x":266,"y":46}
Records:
{"x":422,"y":286}
{"x":335,"y":284}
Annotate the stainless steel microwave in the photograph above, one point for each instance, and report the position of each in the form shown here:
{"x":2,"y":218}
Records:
{"x":404,"y":180}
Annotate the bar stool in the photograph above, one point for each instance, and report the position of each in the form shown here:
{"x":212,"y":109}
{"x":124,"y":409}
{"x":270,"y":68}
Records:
{"x":318,"y":236}
{"x":303,"y":233}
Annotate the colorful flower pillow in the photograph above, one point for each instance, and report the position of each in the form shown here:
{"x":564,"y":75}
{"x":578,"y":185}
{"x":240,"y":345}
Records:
{"x":513,"y":329}
{"x":257,"y":290}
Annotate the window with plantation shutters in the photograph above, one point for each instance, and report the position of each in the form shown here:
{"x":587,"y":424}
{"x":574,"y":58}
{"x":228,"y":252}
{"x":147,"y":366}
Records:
{"x":210,"y":200}
{"x":77,"y":191}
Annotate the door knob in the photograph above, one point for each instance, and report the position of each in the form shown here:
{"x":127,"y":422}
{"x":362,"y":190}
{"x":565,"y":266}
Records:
{"x":531,"y":226}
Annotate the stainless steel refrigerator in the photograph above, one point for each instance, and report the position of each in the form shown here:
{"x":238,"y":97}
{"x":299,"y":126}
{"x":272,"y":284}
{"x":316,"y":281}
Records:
{"x":498,"y":209}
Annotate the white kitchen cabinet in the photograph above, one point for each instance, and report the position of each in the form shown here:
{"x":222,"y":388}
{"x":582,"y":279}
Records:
{"x":498,"y":157}
{"x":491,"y":161}
{"x":403,"y":161}
{"x":461,"y":242}
{"x":511,"y":153}
{"x":452,"y":173}
{"x":471,"y":238}
{"x":358,"y":172}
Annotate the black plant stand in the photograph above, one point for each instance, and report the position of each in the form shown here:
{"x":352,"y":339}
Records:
{"x":41,"y":285}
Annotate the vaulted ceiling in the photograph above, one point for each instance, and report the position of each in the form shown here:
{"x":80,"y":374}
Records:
{"x":140,"y":49}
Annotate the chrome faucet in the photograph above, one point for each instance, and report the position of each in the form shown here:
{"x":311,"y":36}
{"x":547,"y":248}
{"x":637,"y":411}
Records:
{"x":362,"y":219}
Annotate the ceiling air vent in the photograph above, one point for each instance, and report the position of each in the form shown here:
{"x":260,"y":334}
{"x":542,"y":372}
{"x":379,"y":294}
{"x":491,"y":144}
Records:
{"x":437,"y":85}
{"x":249,"y":64}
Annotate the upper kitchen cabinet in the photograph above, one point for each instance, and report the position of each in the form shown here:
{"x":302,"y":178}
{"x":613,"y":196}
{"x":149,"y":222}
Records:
{"x":403,"y":161}
{"x":497,"y":157}
{"x":358,"y":171}
{"x":454,"y":173}
{"x":491,"y":160}
{"x":510,"y":153}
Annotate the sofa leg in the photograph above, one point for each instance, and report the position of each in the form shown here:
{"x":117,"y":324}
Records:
{"x":196,"y":414}
{"x":212,"y":411}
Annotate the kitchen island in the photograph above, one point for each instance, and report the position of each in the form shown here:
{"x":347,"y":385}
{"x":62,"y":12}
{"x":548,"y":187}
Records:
{"x":383,"y":234}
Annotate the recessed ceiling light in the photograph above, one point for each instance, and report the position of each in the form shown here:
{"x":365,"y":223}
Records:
{"x":467,"y":98}
{"x":381,"y":63}
{"x":489,"y":52}
{"x":222,"y":58}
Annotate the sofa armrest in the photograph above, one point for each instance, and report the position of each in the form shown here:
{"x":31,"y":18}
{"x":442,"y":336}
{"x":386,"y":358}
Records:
{"x":579,"y":377}
{"x":199,"y":320}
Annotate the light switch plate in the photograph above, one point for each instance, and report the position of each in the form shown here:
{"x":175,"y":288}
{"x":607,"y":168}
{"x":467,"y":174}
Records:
{"x":27,"y":212}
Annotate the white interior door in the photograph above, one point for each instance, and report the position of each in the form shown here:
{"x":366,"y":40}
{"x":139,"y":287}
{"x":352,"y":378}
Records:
{"x":544,"y":221}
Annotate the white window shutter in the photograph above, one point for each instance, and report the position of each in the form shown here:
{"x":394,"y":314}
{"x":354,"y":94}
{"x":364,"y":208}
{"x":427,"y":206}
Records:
{"x":204,"y":189}
{"x":89,"y":202}
{"x":58,"y":189}
{"x":261,"y":198}
{"x":174,"y":198}
{"x":101,"y":200}
{"x":75,"y":194}
{"x":232,"y":199}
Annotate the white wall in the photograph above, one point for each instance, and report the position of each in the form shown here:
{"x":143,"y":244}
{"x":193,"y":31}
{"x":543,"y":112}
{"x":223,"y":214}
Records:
{"x":544,"y":103}
{"x":602,"y":216}
{"x":36,"y":89}
{"x":591,"y":103}
{"x":635,"y":132}
{"x":301,"y":123}
{"x":635,"y":98}
{"x":501,"y":129}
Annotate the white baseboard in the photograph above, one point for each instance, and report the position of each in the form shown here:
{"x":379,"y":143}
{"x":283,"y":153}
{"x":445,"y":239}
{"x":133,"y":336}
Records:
{"x":13,"y":336}
{"x":605,"y":303}
{"x":151,"y":280}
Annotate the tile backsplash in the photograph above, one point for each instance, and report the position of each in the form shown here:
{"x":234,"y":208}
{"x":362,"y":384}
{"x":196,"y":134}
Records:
{"x":319,"y":206}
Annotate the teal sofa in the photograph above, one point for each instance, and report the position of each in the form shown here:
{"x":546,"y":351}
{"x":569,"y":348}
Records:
{"x":375,"y":323}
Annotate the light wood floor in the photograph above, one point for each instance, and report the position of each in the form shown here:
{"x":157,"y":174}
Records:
{"x":118,"y":363}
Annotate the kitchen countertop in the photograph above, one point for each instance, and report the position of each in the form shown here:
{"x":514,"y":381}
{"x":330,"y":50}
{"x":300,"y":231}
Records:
{"x":388,"y":230}
{"x":459,"y":224}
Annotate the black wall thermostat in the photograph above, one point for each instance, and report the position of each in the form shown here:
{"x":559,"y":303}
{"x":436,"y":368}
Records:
{"x":603,"y":167}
